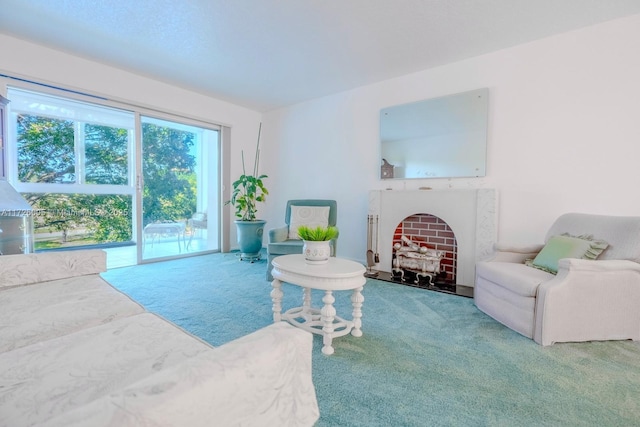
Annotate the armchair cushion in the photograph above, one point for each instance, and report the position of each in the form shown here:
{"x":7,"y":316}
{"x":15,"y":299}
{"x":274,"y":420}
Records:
{"x":198,"y":220}
{"x":199,"y":216}
{"x":288,"y":247}
{"x":567,"y":246}
{"x":310,"y":216}
{"x":619,"y":231}
{"x":277,"y":235}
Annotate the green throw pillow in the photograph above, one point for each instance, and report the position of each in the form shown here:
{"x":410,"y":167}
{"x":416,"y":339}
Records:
{"x":566,"y":246}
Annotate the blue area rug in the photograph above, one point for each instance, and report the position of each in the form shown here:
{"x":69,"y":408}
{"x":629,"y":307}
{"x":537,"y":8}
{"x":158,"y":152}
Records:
{"x":425,"y":359}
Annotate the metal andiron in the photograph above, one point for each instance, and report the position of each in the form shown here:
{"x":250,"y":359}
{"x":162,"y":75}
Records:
{"x":421,"y":260}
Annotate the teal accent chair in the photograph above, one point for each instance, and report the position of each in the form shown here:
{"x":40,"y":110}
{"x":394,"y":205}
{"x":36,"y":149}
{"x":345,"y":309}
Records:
{"x":279,"y":242}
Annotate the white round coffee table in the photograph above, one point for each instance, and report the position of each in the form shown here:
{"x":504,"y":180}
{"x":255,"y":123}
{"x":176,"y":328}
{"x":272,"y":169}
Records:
{"x":336,"y":275}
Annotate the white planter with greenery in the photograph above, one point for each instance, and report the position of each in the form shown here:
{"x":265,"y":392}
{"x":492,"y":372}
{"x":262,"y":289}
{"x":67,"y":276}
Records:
{"x":317,"y":243}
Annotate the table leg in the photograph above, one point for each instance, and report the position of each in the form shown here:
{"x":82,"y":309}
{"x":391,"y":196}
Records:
{"x":276,"y":297}
{"x":306,"y":304}
{"x":356,"y":300}
{"x":190,"y":238}
{"x":328,"y":314}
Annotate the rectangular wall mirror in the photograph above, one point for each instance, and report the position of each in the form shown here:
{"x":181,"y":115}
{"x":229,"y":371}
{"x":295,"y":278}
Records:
{"x":442,"y":137}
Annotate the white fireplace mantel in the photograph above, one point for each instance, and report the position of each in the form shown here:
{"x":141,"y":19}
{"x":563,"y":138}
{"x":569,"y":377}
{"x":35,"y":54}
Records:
{"x":471,"y":215}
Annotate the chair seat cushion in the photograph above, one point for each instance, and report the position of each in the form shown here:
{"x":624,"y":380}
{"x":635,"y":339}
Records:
{"x":517,"y":278}
{"x":287,"y":247}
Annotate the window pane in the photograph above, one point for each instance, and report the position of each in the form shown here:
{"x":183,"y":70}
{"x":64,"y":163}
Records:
{"x":106,"y":155}
{"x":179,"y":167}
{"x":45,"y":149}
{"x":169,"y":177}
{"x":64,"y":141}
{"x":70,"y":220}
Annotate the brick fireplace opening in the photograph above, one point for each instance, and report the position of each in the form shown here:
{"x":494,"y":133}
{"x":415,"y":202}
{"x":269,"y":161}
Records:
{"x":432,"y":232}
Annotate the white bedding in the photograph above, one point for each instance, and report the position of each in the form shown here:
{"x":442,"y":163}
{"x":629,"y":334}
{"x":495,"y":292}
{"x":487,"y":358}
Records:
{"x":51,"y":309}
{"x":262,"y":379}
{"x":77,"y":352}
{"x":69,"y":371}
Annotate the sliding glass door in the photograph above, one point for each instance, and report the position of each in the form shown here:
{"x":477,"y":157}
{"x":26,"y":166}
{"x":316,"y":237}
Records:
{"x":179,"y":193}
{"x":142,"y":188}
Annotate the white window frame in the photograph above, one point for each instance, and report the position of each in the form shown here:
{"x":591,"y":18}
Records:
{"x":79,"y":187}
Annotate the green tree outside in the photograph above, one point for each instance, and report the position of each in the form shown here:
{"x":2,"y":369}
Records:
{"x":47,"y":154}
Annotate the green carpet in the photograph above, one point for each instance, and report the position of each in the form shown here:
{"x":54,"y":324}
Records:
{"x":425,"y":359}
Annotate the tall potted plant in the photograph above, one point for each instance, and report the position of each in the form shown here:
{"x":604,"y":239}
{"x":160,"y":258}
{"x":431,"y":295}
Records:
{"x":248,"y":190}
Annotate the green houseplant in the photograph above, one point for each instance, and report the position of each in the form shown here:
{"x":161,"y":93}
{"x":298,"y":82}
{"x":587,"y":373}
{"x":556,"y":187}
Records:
{"x":317,"y":234}
{"x":248,"y":190}
{"x":317,"y":243}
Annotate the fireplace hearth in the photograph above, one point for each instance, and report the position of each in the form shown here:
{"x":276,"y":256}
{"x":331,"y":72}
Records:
{"x":439,"y":284}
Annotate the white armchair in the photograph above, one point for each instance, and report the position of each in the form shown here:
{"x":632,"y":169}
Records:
{"x":587,"y":300}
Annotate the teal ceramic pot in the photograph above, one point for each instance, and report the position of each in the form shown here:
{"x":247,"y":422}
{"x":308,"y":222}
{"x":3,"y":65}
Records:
{"x":250,"y":238}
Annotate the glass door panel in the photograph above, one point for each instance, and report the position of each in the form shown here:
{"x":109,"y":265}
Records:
{"x":180,"y":200}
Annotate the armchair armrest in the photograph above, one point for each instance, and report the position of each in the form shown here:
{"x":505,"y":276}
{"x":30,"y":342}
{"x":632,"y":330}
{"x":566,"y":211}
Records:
{"x":504,"y":252}
{"x":587,"y":265}
{"x":589,"y":301}
{"x":334,"y":244}
{"x":279,"y":234}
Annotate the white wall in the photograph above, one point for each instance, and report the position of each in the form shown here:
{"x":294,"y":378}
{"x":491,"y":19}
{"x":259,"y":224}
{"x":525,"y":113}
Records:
{"x":45,"y":65}
{"x":564,"y":135}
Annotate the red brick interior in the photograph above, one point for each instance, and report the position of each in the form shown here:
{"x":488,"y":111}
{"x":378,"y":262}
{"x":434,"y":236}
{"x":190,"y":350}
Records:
{"x":429,"y":230}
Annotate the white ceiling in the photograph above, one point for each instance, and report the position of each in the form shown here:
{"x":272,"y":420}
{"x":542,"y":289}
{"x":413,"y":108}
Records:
{"x":266,"y":54}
